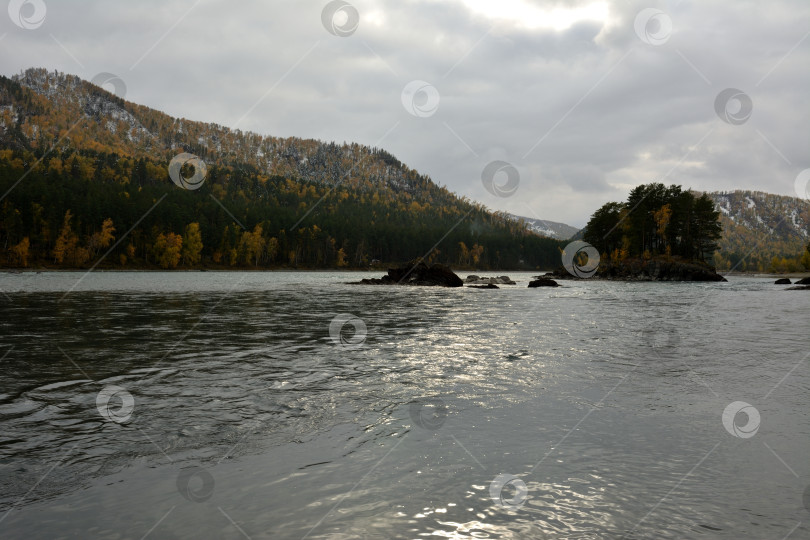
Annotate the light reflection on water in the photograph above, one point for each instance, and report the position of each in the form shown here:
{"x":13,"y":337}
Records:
{"x":600,"y":396}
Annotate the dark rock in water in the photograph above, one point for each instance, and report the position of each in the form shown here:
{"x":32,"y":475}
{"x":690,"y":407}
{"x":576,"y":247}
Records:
{"x":543,"y":282}
{"x":417,"y":273}
{"x":487,"y":286}
{"x":802,"y":288}
{"x":803,"y":281}
{"x":385,"y":280}
{"x":422,"y":274}
{"x":782,"y":281}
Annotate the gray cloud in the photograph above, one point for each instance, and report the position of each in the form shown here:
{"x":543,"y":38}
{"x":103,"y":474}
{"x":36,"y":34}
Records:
{"x":584,"y":113}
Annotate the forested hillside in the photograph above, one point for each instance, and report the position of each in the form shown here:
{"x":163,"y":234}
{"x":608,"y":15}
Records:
{"x":762,"y":232}
{"x":84,"y":180}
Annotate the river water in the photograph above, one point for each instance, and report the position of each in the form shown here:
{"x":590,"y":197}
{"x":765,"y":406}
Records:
{"x":291,"y":405}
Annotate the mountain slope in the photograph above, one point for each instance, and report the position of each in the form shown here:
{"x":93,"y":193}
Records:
{"x":114,"y":125}
{"x":80,"y":167}
{"x":759,"y":226}
{"x":551,"y":229}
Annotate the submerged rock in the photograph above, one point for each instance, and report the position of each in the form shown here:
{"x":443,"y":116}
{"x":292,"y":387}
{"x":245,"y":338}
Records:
{"x":800,"y":288}
{"x":417,"y":273}
{"x":478,"y":280}
{"x":487,"y":286}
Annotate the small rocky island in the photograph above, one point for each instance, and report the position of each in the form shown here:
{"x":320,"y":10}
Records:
{"x":660,"y":233}
{"x":657,"y":269}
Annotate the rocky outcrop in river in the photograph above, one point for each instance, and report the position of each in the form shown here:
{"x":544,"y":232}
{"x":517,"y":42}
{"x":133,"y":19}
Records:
{"x":417,"y":273}
{"x":478,"y":280}
{"x":542,"y":281}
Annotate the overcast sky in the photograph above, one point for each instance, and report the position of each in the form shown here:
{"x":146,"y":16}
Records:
{"x":585,"y":99}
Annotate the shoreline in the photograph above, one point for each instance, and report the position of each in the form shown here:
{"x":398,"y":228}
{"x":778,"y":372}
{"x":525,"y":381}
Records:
{"x":791,"y":275}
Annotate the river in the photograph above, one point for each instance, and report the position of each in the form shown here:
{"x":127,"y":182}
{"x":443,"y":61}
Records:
{"x":292,"y":405}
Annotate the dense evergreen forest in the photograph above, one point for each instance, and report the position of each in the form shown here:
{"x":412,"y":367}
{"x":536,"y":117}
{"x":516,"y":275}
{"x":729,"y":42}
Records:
{"x":84,"y":181}
{"x":656,"y":221}
{"x":70,"y":209}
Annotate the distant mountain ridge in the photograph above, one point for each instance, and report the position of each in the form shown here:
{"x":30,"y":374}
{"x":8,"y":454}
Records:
{"x":551,"y":229}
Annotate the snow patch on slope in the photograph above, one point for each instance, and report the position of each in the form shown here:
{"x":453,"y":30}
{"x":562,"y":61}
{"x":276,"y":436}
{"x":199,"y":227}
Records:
{"x":551,"y":229}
